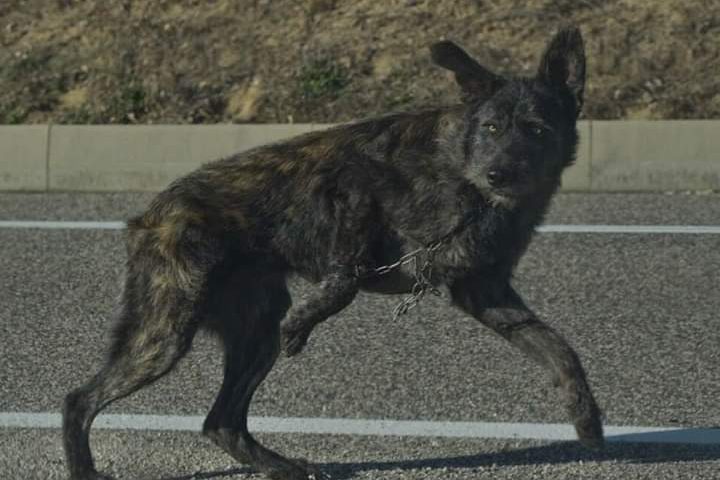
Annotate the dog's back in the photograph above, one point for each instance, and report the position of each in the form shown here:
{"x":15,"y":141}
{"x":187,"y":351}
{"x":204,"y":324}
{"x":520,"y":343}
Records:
{"x":280,"y":203}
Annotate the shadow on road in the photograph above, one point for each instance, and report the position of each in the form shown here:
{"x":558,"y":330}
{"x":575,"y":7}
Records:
{"x":656,"y":447}
{"x":215,"y":474}
{"x":708,"y":436}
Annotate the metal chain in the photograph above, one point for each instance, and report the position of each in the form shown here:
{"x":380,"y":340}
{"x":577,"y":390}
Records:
{"x":421,"y":272}
{"x":423,"y":275}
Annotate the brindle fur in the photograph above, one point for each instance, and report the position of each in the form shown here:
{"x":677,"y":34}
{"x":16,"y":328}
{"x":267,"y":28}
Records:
{"x":215,"y":248}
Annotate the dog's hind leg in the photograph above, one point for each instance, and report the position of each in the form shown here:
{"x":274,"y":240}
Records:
{"x":501,"y":309}
{"x":159,"y":316}
{"x":247,"y":317}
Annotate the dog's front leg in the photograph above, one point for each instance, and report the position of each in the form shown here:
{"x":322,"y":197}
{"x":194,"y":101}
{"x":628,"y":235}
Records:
{"x":500,"y":308}
{"x":337,"y":291}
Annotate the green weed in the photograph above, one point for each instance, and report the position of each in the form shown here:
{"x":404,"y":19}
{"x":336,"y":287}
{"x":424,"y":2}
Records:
{"x":323,"y":78}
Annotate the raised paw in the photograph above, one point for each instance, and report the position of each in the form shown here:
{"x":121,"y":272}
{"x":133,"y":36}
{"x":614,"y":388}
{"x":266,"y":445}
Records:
{"x":293,"y":339}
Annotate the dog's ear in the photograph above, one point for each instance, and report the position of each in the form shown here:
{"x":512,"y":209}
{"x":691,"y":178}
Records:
{"x":477,"y":82}
{"x":563,"y":64}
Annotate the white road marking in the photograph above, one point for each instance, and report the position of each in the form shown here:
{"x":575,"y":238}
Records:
{"x":560,"y":228}
{"x":643,"y":229}
{"x":61,"y":225}
{"x":399,"y":428}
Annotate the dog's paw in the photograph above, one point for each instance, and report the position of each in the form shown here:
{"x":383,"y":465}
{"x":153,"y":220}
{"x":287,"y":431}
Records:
{"x":293,"y":339}
{"x":312,"y":472}
{"x":297,"y":469}
{"x":590,"y":432}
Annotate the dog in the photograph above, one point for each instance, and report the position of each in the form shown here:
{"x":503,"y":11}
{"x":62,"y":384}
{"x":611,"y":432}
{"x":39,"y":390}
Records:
{"x":448,"y":197}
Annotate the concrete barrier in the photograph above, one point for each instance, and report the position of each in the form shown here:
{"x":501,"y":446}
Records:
{"x":23,"y":157}
{"x":612,"y":156}
{"x":577,"y":177}
{"x":635,"y":155}
{"x":146,"y":158}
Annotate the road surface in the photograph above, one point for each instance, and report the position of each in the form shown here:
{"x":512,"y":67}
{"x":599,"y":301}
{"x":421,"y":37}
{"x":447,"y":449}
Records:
{"x":639,"y":304}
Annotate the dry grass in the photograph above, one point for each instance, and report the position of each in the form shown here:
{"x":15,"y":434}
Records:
{"x":184,"y":61}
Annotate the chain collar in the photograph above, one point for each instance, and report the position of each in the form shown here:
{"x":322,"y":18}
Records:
{"x":422,"y":270}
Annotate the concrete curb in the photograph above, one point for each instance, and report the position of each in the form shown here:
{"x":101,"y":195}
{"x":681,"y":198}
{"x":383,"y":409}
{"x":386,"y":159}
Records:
{"x":668,"y":155}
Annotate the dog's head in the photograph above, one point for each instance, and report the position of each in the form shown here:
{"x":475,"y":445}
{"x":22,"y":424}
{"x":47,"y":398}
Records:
{"x":520,"y":132}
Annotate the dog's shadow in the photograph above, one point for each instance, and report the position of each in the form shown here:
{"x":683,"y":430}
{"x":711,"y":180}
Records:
{"x":642,"y":448}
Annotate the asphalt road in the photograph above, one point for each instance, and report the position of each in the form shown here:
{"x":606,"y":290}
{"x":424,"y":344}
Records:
{"x":641,"y":310}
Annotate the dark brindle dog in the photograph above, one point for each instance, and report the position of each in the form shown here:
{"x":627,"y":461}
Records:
{"x":215,"y":248}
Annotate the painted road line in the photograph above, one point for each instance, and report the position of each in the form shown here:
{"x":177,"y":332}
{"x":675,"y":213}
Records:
{"x":399,"y":428}
{"x":636,"y":229}
{"x":62,"y":225}
{"x":560,"y":228}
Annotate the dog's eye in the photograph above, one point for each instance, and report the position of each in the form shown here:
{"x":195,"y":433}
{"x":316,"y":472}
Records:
{"x":491,"y":127}
{"x":537,"y":130}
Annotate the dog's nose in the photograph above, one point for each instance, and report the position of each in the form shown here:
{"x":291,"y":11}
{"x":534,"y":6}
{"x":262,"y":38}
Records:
{"x":496,"y":178}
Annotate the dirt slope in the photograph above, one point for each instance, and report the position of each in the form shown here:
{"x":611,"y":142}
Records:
{"x":192,"y":61}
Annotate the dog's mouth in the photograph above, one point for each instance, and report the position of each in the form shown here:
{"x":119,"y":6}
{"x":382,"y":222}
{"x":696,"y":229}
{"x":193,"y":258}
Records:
{"x":508,"y":195}
{"x":502,"y":198}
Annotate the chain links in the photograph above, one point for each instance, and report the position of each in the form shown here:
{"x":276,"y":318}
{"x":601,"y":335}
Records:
{"x":422,"y":271}
{"x":423,"y":284}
